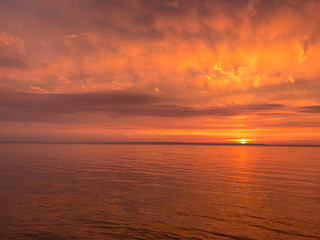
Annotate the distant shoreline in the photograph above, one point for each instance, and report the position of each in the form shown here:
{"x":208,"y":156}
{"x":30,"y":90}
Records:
{"x":160,"y":143}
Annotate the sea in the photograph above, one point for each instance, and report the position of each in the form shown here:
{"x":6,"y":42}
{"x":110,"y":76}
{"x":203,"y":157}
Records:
{"x":159,"y":191}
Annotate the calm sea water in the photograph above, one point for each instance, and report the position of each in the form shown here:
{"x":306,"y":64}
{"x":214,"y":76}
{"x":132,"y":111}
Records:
{"x":57,"y":191}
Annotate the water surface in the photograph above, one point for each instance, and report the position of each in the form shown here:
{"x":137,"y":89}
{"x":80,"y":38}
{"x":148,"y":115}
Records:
{"x":74,"y":191}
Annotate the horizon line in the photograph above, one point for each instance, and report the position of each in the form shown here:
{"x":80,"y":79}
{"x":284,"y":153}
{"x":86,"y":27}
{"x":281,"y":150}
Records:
{"x":159,"y":143}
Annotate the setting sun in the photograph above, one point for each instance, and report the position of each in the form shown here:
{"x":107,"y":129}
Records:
{"x":243,"y":140}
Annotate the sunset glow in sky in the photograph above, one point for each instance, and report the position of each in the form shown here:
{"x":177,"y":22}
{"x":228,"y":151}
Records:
{"x":245,"y":71}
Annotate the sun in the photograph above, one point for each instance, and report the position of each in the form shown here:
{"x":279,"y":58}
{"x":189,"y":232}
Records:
{"x":243,"y":141}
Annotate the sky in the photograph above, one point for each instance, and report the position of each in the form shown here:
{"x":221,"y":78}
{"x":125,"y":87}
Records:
{"x":227,"y":71}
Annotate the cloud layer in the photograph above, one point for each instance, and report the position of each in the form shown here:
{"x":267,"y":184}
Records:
{"x":252,"y":63}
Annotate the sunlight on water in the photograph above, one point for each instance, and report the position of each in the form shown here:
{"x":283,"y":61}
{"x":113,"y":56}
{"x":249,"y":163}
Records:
{"x":159,"y":192}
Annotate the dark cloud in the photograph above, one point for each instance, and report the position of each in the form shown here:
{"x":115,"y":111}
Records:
{"x":310,"y":109}
{"x":12,"y":62}
{"x":134,"y":20}
{"x":295,"y":124}
{"x":46,"y":107}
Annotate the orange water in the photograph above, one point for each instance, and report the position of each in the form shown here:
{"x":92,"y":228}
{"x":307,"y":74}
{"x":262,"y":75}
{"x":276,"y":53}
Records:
{"x":69,"y":191}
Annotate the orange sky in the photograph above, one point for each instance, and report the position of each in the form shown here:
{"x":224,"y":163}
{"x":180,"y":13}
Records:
{"x":160,"y":70}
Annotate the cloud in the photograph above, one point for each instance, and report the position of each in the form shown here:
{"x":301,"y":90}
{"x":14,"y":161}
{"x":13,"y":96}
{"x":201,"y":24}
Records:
{"x":310,"y":109}
{"x":38,"y":89}
{"x":10,"y":45}
{"x":191,"y":59}
{"x":173,"y":4}
{"x":63,"y":80}
{"x":43,"y":107}
{"x":12,"y":52}
{"x":147,"y":45}
{"x":11,"y":62}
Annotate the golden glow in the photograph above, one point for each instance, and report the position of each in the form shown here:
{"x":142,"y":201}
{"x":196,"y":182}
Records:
{"x":291,"y":80}
{"x":243,"y":140}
